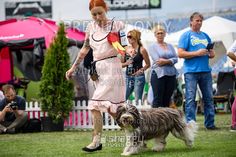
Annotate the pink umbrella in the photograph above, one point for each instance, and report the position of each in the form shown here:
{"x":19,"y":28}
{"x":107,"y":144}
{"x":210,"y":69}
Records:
{"x":16,"y":35}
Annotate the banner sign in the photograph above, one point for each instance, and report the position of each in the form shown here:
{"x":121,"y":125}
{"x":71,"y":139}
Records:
{"x":39,"y":8}
{"x":133,"y":4}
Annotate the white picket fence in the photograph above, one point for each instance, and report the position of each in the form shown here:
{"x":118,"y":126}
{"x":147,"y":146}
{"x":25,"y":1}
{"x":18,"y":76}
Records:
{"x":80,"y":117}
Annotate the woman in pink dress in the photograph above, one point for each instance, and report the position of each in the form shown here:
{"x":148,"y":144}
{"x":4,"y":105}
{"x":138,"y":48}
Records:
{"x":110,"y":86}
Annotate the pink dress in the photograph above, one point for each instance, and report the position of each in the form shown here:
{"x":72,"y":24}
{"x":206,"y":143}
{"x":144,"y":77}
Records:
{"x":110,"y":87}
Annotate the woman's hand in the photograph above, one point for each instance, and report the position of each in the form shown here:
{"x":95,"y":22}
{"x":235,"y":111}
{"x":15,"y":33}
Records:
{"x":128,"y":62}
{"x":162,"y":61}
{"x":139,"y":72}
{"x":69,"y":73}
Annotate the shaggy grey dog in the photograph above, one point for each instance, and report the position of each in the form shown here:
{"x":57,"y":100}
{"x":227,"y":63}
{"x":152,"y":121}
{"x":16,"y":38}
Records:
{"x":155,"y":123}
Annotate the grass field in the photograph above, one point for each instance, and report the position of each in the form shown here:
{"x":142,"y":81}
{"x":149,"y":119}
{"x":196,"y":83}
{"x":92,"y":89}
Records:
{"x":220,"y":143}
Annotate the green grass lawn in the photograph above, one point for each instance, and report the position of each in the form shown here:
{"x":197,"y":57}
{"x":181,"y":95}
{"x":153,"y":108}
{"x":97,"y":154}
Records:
{"x":220,"y":143}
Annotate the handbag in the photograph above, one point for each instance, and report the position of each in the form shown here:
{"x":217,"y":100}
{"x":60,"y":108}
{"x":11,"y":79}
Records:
{"x":32,"y":125}
{"x":93,"y":72}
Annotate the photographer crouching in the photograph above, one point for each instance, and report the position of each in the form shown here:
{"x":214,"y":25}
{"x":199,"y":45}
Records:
{"x":12,"y":111}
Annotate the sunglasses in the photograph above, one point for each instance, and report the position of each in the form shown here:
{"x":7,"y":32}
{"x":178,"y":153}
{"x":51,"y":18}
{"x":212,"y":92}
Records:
{"x":159,"y":33}
{"x":129,"y":37}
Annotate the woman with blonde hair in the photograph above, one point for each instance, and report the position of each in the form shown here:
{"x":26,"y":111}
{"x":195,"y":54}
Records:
{"x":163,"y":73}
{"x":110,"y":86}
{"x":133,"y":61}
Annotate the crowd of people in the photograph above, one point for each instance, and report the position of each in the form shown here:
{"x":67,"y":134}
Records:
{"x":111,"y":90}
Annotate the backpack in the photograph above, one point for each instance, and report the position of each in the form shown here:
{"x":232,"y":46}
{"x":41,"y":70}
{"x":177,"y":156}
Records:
{"x":32,"y":125}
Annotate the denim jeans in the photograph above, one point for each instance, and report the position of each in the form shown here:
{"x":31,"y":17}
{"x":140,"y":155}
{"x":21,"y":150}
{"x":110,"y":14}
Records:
{"x":204,"y":80}
{"x":136,"y":84}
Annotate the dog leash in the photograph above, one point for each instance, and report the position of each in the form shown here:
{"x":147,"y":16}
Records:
{"x":103,"y":59}
{"x":77,"y":69}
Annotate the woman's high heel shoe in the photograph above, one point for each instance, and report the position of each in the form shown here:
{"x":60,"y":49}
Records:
{"x":86,"y":149}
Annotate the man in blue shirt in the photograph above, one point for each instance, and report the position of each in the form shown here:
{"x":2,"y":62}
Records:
{"x":12,"y":111}
{"x":193,"y":48}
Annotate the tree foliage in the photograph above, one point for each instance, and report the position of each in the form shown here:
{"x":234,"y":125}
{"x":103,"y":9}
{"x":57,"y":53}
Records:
{"x":56,"y":92}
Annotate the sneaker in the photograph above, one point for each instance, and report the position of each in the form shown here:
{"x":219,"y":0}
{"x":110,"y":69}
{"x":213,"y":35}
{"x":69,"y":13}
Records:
{"x":3,"y":131}
{"x":213,"y":128}
{"x":11,"y":131}
{"x":233,"y":129}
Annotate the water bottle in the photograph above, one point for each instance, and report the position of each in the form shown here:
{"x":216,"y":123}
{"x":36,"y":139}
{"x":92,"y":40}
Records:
{"x":131,"y":64}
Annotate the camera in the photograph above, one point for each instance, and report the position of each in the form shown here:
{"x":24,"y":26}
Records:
{"x":13,"y":105}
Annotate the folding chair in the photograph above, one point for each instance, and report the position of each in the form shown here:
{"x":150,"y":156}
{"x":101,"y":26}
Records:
{"x":225,"y":91}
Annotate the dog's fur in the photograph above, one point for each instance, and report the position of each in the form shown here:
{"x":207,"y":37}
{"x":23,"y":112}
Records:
{"x":155,"y":123}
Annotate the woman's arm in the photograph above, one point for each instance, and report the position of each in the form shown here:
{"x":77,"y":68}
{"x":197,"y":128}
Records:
{"x":124,"y":62}
{"x":81,"y":55}
{"x":146,"y":60}
{"x":122,"y":59}
{"x":232,"y":56}
{"x":171,"y":60}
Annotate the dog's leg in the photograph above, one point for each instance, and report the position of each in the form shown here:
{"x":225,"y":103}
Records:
{"x":133,"y":145}
{"x":127,"y":148}
{"x":128,"y":143}
{"x":160,"y":143}
{"x":190,"y":132}
{"x":131,"y":150}
{"x":187,"y":134}
{"x":126,"y":151}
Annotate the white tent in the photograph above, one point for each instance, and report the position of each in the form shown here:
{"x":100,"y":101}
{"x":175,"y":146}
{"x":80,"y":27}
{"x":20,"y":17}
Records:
{"x":218,"y":28}
{"x":221,"y":30}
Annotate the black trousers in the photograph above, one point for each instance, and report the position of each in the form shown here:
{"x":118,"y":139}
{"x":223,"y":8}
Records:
{"x":163,"y":89}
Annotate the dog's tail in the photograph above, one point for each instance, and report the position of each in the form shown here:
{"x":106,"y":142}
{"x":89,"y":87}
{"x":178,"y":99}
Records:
{"x":190,"y":132}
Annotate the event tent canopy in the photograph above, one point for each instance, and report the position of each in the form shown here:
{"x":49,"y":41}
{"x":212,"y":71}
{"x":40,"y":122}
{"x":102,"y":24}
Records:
{"x":222,"y":31}
{"x":218,"y":28}
{"x":24,"y":41}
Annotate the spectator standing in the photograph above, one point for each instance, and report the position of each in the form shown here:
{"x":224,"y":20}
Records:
{"x":133,"y":61}
{"x":163,"y":72}
{"x":192,"y":47}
